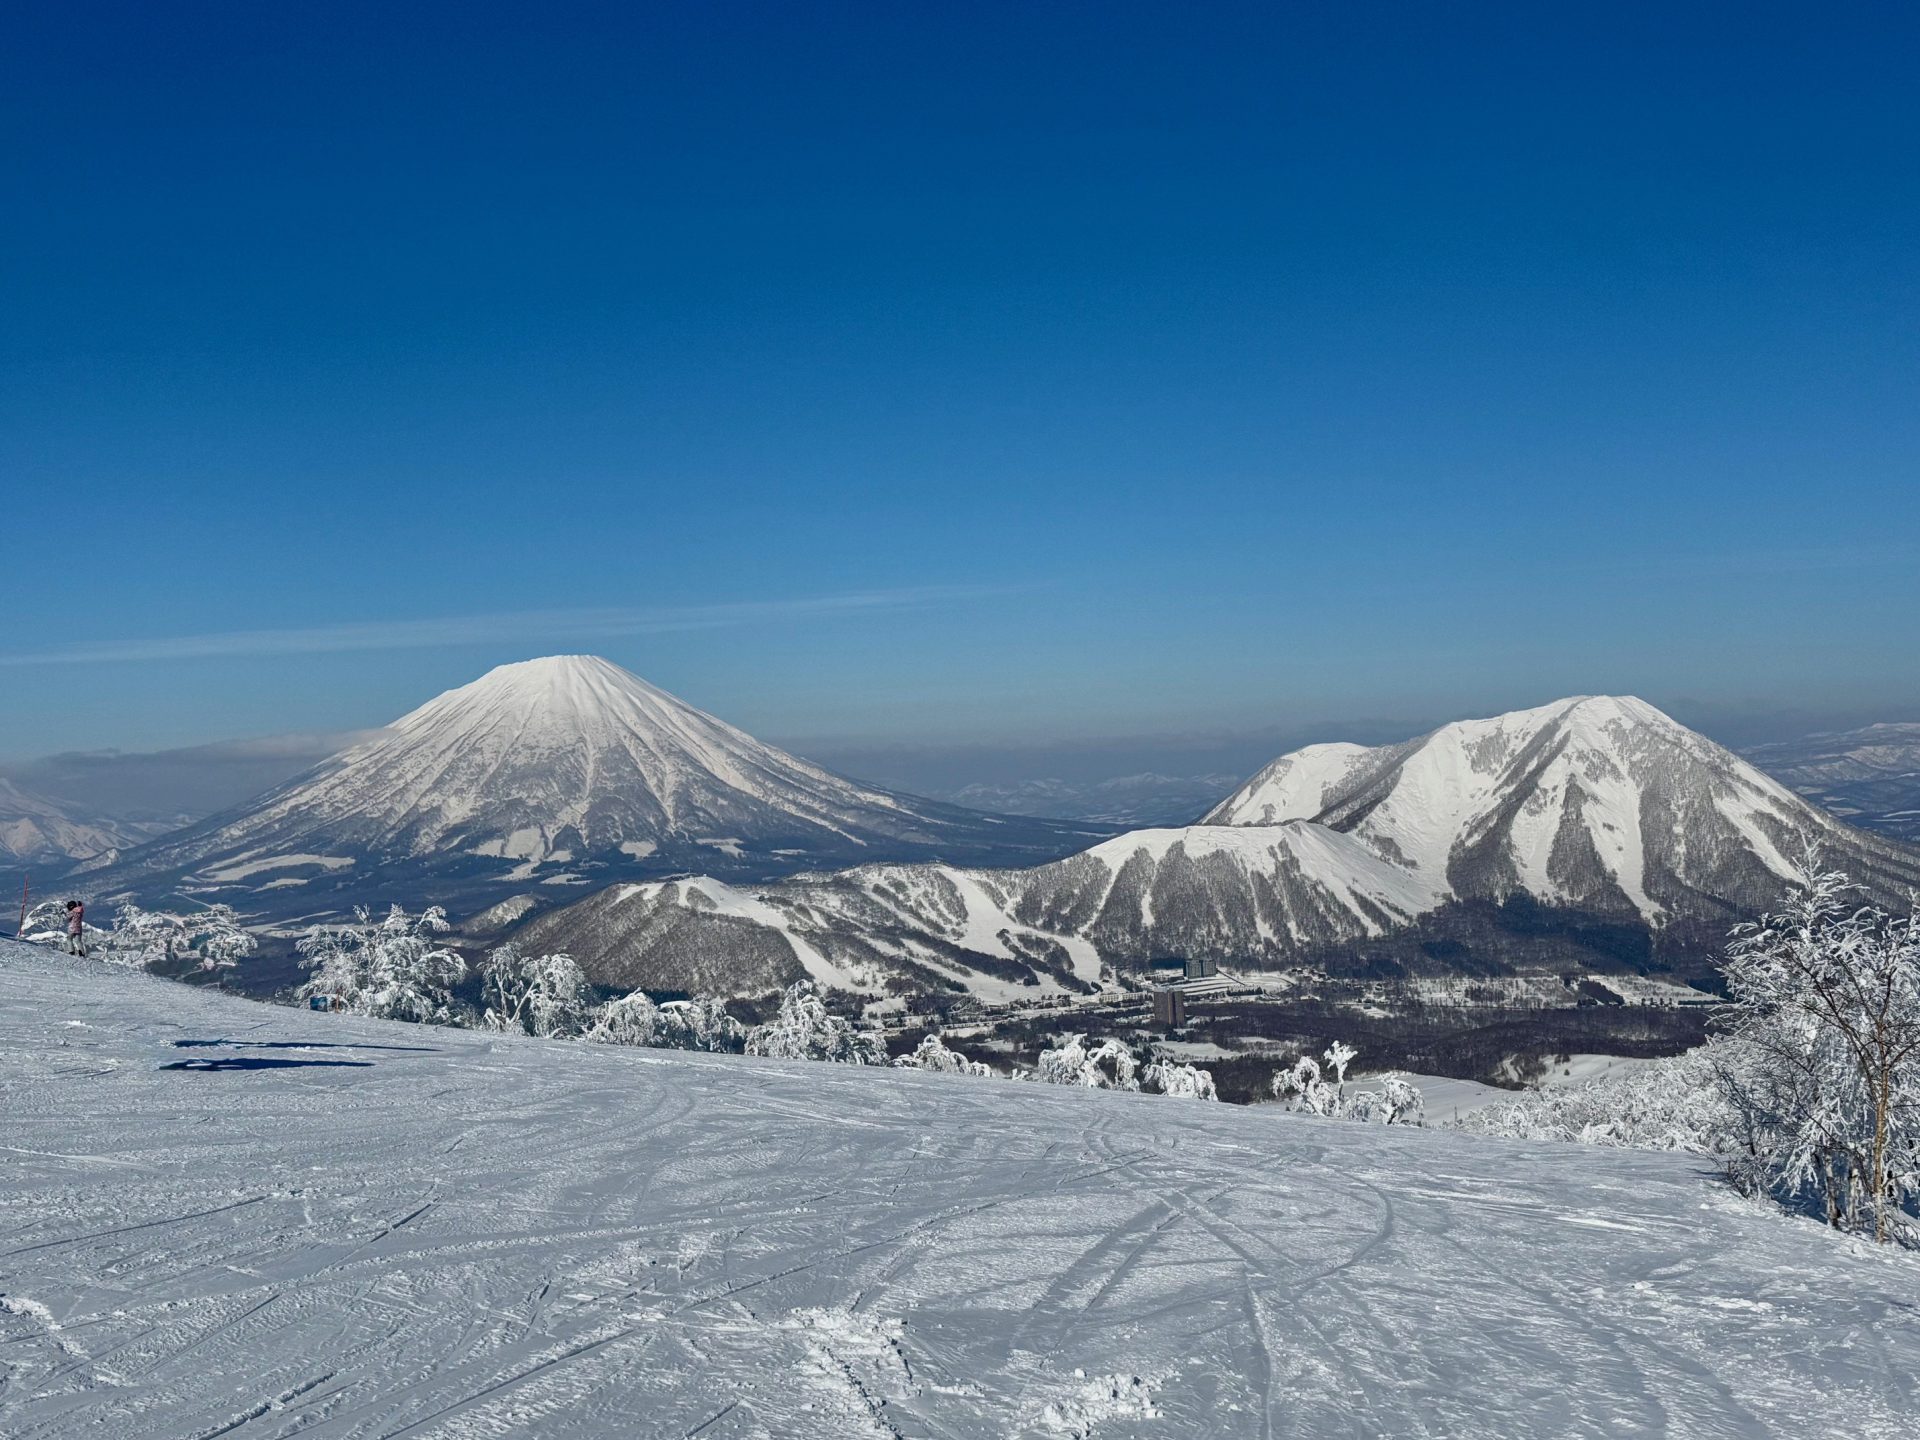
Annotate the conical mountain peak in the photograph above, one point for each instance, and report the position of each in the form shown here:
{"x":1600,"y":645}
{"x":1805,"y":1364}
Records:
{"x":569,"y":770}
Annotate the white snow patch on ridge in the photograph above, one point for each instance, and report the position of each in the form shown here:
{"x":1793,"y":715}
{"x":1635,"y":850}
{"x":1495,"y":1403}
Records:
{"x":704,"y":892}
{"x":1345,"y":867}
{"x":278,"y":862}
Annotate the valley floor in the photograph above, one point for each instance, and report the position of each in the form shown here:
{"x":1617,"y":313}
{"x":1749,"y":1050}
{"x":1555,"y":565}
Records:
{"x":223,"y":1219}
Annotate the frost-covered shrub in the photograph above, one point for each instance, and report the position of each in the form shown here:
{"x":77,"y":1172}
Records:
{"x":1398,"y":1101}
{"x":198,"y":942}
{"x":933,"y":1054}
{"x":1825,"y":1083}
{"x":390,"y":968}
{"x":158,"y":940}
{"x":1311,"y":1089}
{"x":701,"y":1023}
{"x":1810,"y":1095}
{"x":1672,"y":1104}
{"x":1110,"y":1065}
{"x":629,"y":1020}
{"x":1182,"y":1082}
{"x":1106,"y":1066}
{"x":806,"y":1030}
{"x":544,"y":995}
{"x":46,"y":924}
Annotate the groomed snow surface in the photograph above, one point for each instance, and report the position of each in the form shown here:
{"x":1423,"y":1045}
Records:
{"x":225,"y":1219}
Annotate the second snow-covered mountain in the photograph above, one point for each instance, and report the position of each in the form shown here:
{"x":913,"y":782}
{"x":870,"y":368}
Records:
{"x":1599,"y":803}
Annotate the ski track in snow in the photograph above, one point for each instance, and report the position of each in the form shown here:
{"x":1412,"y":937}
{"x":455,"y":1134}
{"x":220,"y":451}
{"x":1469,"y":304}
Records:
{"x":484,"y":1237}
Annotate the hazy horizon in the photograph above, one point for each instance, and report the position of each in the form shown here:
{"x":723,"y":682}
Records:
{"x":213,"y":774}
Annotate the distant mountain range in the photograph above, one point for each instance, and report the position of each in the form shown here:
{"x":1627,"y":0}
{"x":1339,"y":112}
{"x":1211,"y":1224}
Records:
{"x":80,"y":805}
{"x":1591,"y":833}
{"x":1868,"y":777}
{"x":36,"y":829}
{"x":549,"y":774}
{"x":1133,"y":801}
{"x":62,"y":806}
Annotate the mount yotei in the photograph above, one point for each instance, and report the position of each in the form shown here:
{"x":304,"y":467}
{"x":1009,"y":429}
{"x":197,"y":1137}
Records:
{"x":1591,"y":834}
{"x":550,"y":773}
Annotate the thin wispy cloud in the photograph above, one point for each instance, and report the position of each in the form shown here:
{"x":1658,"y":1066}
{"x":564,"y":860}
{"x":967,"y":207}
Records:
{"x":551,"y":625}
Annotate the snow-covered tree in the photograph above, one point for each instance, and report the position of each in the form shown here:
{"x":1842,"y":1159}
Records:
{"x":139,"y":938}
{"x":1398,"y":1101}
{"x":1312,"y":1089}
{"x":45,"y":922}
{"x":1671,"y":1104}
{"x":392,"y":968}
{"x":932,"y":1053}
{"x":629,"y":1020}
{"x":338,"y":962}
{"x":1825,"y":998}
{"x":544,"y":995}
{"x":201,"y":941}
{"x":701,"y":1023}
{"x":1109,"y":1065}
{"x":208,"y":939}
{"x":1182,"y":1082}
{"x":806,"y":1030}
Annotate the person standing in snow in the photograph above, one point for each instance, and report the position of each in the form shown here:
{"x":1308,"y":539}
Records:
{"x":76,"y":932}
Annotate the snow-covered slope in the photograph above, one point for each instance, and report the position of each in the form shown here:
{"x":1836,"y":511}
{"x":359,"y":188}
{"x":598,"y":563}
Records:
{"x":1265,"y":897}
{"x":34,"y":828}
{"x":1869,"y":777}
{"x":224,"y":1219}
{"x":1600,"y":803}
{"x":561,"y":771}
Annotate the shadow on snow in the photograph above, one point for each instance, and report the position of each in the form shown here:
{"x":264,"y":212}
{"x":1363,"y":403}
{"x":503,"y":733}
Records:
{"x":260,"y":1062}
{"x":295,"y":1045}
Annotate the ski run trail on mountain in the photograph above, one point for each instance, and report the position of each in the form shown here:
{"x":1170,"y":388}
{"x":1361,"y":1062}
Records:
{"x":223,"y":1219}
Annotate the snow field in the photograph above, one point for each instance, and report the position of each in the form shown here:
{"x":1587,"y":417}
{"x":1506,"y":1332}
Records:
{"x":342,"y":1228}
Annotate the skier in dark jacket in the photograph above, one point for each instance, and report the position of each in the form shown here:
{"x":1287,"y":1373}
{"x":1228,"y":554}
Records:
{"x":76,"y":928}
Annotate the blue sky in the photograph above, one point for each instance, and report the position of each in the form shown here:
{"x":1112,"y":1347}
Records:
{"x":957,"y":374}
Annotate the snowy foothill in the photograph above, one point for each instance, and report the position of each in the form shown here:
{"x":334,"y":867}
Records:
{"x":224,"y":1218}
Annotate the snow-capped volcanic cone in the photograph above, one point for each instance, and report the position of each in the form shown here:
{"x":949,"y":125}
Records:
{"x":557,"y":772}
{"x":1599,"y":803}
